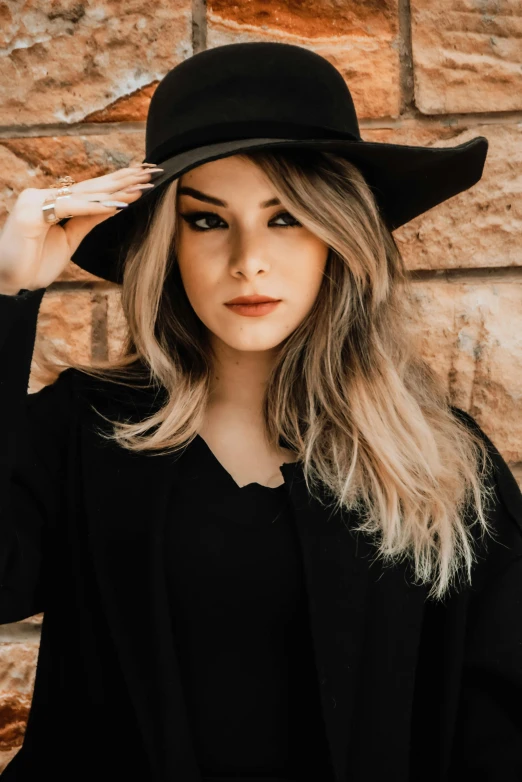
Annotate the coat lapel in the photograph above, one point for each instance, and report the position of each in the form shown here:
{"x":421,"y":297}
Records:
{"x":366,"y":623}
{"x":365,"y":620}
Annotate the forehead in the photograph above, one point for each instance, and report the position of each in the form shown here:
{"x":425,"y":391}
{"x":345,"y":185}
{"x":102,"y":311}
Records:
{"x":227,"y":182}
{"x":224,"y":170}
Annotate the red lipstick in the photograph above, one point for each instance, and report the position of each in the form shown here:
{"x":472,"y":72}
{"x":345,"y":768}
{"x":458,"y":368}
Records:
{"x":252,"y":306}
{"x":255,"y":298}
{"x":253,"y":310}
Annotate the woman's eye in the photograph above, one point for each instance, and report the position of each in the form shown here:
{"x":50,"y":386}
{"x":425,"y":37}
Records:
{"x":193,"y":218}
{"x":287,"y":225}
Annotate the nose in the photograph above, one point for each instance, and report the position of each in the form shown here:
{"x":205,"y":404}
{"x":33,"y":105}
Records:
{"x":249,"y":254}
{"x":249,"y":257}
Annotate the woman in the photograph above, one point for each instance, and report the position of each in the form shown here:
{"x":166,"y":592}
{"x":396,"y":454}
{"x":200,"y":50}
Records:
{"x":277,"y":593}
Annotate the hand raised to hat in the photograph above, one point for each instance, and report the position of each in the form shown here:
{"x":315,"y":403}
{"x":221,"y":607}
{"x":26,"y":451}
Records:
{"x":34,"y":249}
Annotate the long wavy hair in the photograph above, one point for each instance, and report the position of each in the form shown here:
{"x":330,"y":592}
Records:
{"x":349,"y":393}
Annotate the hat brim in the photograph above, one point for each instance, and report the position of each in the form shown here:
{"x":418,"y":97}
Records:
{"x":406,"y":181}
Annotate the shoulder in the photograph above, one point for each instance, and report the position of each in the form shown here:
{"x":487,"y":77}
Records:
{"x":60,"y":391}
{"x":504,"y":480}
{"x":111,"y":397}
{"x":505,"y":513}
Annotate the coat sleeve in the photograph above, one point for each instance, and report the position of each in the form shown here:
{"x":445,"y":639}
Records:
{"x":32,"y":461}
{"x":488,"y":736}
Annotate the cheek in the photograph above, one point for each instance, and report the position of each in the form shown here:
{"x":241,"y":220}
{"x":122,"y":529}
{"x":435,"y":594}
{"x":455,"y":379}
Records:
{"x":307,"y":272}
{"x":193,"y":271}
{"x":195,"y":286}
{"x":200,"y":287}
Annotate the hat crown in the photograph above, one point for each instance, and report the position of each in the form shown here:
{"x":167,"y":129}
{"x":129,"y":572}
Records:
{"x":248,"y":90}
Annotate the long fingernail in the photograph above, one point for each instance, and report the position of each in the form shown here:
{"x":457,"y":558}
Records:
{"x":137,"y":187}
{"x":114,"y":203}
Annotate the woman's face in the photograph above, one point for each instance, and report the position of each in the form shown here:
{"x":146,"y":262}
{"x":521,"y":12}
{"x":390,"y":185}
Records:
{"x":244,"y":247}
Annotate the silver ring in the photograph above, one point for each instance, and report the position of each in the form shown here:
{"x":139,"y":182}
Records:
{"x":50,"y":203}
{"x":63,"y":191}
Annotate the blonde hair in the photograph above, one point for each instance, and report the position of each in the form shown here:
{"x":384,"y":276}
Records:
{"x":349,"y":393}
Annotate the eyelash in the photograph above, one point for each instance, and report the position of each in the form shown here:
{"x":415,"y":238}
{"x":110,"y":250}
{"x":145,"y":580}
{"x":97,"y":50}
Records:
{"x":192,"y":217}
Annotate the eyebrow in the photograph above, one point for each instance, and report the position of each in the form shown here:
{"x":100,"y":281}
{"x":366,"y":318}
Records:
{"x":191,"y":191}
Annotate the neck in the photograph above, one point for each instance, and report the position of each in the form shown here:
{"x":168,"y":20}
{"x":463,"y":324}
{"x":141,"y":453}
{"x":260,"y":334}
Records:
{"x":239,"y":381}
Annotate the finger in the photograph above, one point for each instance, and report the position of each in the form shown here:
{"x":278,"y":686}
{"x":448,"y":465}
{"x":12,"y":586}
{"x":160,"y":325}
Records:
{"x":113,"y":182}
{"x":77,"y":205}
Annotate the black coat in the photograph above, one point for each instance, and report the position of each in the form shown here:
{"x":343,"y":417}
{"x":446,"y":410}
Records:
{"x":412,"y":690}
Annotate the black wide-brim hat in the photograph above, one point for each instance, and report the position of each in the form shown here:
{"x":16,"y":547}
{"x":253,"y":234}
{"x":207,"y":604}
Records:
{"x":270,"y":95}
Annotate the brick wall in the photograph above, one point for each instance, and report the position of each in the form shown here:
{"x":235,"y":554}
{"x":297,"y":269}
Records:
{"x":77,"y":80}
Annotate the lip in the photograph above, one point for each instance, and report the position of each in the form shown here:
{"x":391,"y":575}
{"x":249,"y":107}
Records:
{"x":256,"y":298}
{"x":253,"y":310}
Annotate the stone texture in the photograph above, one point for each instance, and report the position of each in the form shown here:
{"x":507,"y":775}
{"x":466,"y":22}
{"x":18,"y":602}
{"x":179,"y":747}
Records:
{"x":87,"y":62}
{"x":480,"y":227}
{"x":471,"y":334}
{"x":360,"y":39}
{"x":25,"y":631}
{"x":64,"y":329}
{"x":17,"y":673}
{"x":6,"y":757}
{"x":14,"y":712}
{"x":116,"y":323}
{"x":17,"y":662}
{"x":467,"y":55}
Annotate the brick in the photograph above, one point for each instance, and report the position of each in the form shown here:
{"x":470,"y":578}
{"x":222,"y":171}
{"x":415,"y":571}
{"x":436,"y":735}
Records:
{"x":467,"y":55}
{"x":64,"y":329}
{"x":471,"y":334}
{"x":88,"y":63}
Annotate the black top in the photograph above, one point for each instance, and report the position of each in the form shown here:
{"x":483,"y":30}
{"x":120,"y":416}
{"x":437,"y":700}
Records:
{"x":240,"y":621}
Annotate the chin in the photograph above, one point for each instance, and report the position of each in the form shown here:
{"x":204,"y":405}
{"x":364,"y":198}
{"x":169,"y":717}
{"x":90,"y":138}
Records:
{"x":250,"y":345}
